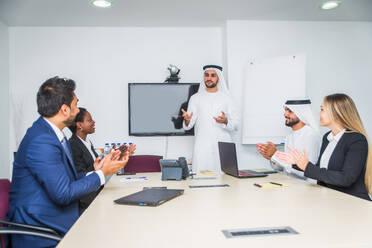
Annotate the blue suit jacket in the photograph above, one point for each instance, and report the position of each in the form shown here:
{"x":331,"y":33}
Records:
{"x":45,"y":188}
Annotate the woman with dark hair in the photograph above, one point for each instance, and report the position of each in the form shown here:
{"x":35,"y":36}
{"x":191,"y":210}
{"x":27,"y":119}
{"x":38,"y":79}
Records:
{"x":83,"y":152}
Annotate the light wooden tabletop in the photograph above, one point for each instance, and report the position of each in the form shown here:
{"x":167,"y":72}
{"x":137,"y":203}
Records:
{"x":322,"y":217}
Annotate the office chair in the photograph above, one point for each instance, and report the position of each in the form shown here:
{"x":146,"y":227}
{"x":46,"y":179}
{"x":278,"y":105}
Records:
{"x":143,"y":163}
{"x":12,"y":228}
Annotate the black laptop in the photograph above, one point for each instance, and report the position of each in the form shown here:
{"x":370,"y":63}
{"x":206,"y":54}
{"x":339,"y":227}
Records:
{"x":150,"y":197}
{"x":229,"y":163}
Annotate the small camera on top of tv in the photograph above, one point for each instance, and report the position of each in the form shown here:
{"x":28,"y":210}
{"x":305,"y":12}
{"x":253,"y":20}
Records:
{"x":174,"y":71}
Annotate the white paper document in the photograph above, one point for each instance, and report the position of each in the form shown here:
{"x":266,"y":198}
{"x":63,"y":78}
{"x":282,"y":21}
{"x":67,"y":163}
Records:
{"x":133,"y":179}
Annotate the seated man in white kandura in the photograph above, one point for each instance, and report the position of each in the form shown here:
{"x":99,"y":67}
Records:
{"x":304,"y":136}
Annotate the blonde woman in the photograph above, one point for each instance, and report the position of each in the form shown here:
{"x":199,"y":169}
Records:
{"x":345,"y":161}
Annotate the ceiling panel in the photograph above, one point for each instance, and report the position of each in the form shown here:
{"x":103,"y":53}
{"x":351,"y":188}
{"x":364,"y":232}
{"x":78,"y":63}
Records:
{"x":174,"y":12}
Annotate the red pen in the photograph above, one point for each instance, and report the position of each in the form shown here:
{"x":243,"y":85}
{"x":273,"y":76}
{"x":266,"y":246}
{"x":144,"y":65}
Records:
{"x":258,"y":185}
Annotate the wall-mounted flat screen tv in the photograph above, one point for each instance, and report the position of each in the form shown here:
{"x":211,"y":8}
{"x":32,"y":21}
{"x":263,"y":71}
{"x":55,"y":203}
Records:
{"x":155,"y":108}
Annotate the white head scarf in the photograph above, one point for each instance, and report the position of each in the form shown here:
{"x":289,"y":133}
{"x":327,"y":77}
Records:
{"x":302,"y":108}
{"x":221,"y":85}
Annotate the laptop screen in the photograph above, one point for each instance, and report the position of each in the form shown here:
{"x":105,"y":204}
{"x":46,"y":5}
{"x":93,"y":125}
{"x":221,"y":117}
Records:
{"x":228,"y":160}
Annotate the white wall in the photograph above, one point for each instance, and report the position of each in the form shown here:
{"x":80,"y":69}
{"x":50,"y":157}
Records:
{"x":339,"y":59}
{"x":103,"y":61}
{"x":4,"y":101}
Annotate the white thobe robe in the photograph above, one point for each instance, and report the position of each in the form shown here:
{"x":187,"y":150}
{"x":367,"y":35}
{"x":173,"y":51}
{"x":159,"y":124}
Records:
{"x":208,"y":132}
{"x":305,"y":138}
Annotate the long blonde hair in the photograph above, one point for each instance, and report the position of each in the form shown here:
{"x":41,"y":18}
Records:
{"x":341,"y":109}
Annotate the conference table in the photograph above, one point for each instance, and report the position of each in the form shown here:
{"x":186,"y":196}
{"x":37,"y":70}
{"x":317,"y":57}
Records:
{"x":319,"y":216}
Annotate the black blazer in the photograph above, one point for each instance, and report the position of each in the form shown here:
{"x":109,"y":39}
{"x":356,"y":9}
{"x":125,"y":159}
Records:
{"x":346,"y":167}
{"x":82,"y":158}
{"x":83,"y":163}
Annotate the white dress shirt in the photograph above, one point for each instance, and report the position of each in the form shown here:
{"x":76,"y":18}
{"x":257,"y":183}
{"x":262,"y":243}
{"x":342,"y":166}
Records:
{"x":333,"y":140}
{"x":61,"y":136}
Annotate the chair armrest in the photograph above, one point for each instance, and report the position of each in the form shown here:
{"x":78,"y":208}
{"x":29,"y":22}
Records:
{"x":12,"y":230}
{"x":26,"y":226}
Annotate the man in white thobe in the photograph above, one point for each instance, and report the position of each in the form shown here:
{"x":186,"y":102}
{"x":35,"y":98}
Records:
{"x":304,"y":136}
{"x":214,"y":116}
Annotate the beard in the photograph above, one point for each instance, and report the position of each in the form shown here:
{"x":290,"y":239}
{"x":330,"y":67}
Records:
{"x":70,"y":121}
{"x":291,"y":122}
{"x":211,"y":85}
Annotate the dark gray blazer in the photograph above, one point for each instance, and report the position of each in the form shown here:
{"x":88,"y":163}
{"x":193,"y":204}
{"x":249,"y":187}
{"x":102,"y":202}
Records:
{"x":83,"y":163}
{"x":346,"y":167}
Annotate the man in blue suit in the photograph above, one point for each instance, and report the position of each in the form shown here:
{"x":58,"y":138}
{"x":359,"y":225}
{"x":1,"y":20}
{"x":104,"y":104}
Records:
{"x":45,"y":187}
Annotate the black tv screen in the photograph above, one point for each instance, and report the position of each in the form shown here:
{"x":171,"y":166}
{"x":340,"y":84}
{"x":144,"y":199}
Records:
{"x":155,"y":108}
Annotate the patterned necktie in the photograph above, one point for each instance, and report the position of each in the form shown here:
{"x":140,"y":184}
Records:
{"x":67,"y":150}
